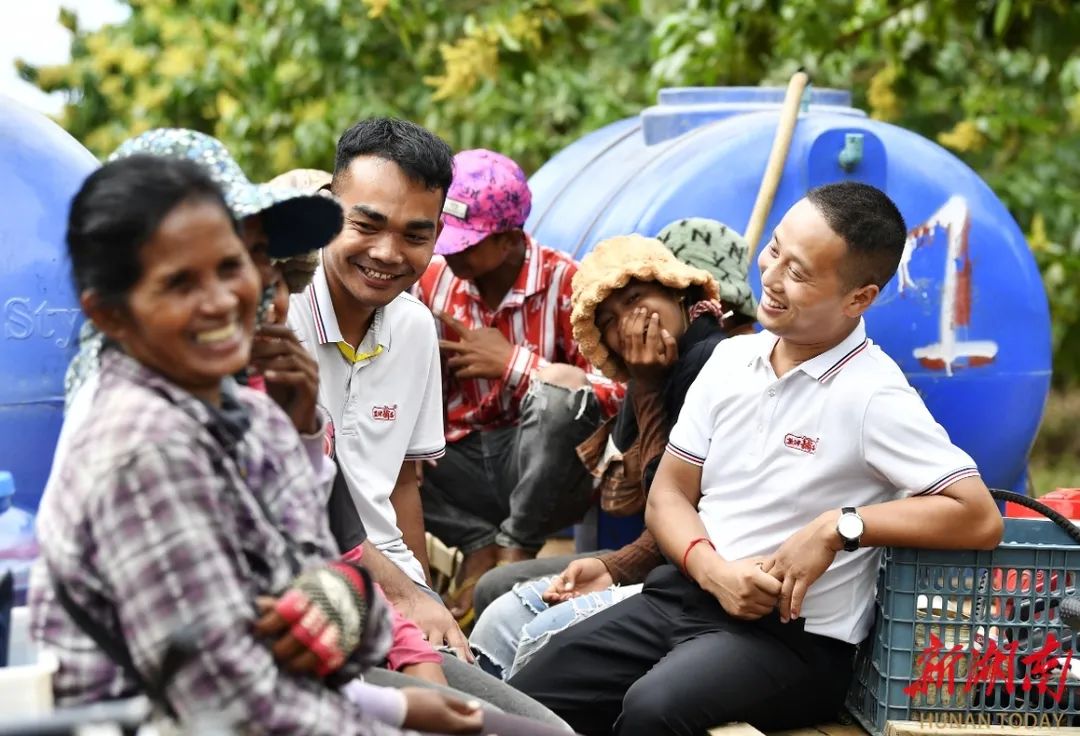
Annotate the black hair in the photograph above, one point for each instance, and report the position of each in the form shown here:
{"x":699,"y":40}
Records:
{"x":871,"y":226}
{"x":423,"y":156}
{"x":118,"y":209}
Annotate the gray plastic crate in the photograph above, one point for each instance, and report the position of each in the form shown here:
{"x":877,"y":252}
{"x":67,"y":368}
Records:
{"x":969,"y":598}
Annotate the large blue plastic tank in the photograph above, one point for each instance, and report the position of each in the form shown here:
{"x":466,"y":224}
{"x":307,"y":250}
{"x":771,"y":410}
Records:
{"x":41,"y":168}
{"x":966,"y":318}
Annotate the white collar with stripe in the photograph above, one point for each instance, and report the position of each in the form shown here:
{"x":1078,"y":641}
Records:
{"x":327,"y":329}
{"x":828,"y":364}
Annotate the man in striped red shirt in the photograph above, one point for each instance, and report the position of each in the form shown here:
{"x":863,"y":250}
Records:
{"x":519,"y":396}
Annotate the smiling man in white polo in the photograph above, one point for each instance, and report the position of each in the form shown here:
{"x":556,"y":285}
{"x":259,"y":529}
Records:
{"x":377,"y":350}
{"x":798,"y":452}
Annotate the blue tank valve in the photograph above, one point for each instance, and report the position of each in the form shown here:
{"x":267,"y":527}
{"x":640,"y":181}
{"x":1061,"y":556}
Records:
{"x":851,"y":153}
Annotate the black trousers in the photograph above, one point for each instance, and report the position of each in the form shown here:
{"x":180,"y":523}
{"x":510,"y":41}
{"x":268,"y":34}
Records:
{"x":672,"y":661}
{"x":515,"y":485}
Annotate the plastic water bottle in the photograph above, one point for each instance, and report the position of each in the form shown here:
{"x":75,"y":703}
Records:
{"x":18,"y":545}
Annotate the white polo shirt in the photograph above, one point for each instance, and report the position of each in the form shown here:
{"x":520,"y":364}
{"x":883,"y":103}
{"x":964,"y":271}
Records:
{"x":386,"y":408}
{"x":843,"y":429}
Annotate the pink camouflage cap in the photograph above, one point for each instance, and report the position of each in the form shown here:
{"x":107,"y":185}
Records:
{"x":489,"y":195}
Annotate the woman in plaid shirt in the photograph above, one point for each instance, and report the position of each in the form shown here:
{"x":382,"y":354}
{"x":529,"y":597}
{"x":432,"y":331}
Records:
{"x":190,"y":504}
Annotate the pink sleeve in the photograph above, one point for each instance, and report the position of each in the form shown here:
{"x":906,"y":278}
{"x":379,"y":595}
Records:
{"x":355,"y":556}
{"x":409,"y":647}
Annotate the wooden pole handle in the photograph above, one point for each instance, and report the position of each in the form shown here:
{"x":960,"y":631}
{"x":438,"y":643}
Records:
{"x":774,"y":169}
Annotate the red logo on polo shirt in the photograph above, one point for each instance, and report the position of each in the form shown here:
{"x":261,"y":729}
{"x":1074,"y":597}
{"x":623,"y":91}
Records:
{"x":384,"y":413}
{"x":798,"y":442}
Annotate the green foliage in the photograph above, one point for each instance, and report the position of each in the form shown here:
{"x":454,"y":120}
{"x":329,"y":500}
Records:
{"x":278,"y":80}
{"x":996,"y":81}
{"x":1055,"y":458}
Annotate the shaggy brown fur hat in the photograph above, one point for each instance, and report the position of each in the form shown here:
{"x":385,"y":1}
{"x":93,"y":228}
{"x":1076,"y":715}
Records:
{"x":300,"y":269}
{"x":609,"y":267}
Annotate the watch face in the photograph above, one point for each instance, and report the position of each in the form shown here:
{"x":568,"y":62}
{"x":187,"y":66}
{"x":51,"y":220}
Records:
{"x":850,"y":526}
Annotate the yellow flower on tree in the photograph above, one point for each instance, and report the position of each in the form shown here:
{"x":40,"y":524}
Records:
{"x":226,"y":105}
{"x":50,"y":78}
{"x":96,"y":43}
{"x":1037,"y":238}
{"x":526,"y":29}
{"x":283,"y":154}
{"x":174,"y":30}
{"x":376,"y":7}
{"x":112,"y":87}
{"x":965,"y":136}
{"x":150,"y":97}
{"x":103,"y":140}
{"x":138,"y":125}
{"x":109,"y":60}
{"x":884,"y":104}
{"x":314,"y":111}
{"x":1072,"y":104}
{"x":467,"y":61}
{"x":175,"y":62}
{"x":290,"y":72}
{"x":134,"y":62}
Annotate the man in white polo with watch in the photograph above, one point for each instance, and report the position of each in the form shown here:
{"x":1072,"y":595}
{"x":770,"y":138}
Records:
{"x":799,"y":452}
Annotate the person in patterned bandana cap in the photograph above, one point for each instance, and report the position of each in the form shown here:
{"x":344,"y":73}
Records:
{"x":714,"y":247}
{"x":519,"y":394}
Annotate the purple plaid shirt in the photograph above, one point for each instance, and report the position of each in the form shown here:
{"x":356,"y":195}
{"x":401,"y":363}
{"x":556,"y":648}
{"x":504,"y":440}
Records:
{"x":156,"y":525}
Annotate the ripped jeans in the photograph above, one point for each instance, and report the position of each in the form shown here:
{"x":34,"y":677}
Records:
{"x":515,"y":485}
{"x":519,"y":623}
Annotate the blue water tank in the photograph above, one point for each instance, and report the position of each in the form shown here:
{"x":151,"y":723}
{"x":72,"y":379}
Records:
{"x":41,"y":168}
{"x":18,"y":543}
{"x":966,"y":317}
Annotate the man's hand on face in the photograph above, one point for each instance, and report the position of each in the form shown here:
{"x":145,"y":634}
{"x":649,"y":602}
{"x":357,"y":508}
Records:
{"x":480,"y":353}
{"x":801,"y":560}
{"x":649,"y":351}
{"x":292,"y":375}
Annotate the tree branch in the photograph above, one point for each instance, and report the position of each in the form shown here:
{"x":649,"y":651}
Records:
{"x":876,"y":23}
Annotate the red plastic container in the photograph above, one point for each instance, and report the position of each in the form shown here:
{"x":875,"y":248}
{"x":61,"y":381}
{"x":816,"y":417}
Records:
{"x":1065,"y":501}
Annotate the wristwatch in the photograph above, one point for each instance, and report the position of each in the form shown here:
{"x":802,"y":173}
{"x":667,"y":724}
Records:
{"x":850,"y":528}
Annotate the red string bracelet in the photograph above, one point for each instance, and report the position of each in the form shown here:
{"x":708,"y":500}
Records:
{"x":692,"y":544}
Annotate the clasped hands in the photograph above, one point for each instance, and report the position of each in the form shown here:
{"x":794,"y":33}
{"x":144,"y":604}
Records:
{"x":753,"y":587}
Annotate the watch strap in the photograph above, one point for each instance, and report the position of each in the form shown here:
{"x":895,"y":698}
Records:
{"x":850,"y":545}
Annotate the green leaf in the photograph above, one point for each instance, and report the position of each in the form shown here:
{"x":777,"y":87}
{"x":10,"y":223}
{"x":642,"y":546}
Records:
{"x":1001,"y":16}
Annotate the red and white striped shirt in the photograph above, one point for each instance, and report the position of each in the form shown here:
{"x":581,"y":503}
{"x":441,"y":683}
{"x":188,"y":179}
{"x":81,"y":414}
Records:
{"x":534,"y":316}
